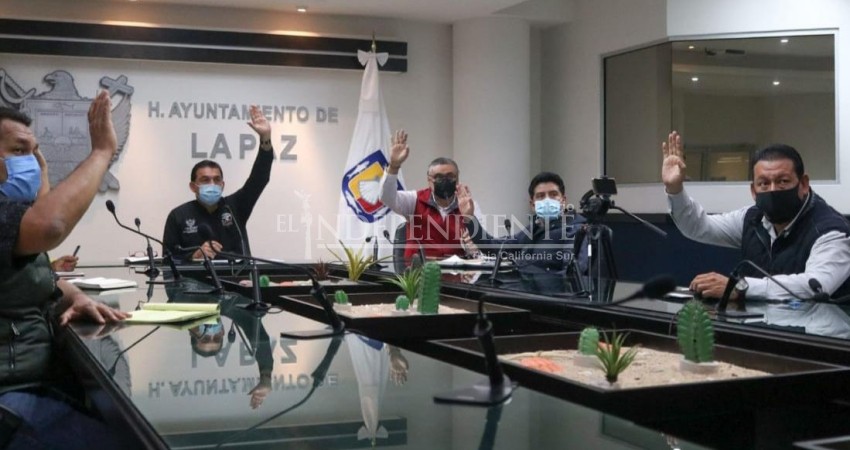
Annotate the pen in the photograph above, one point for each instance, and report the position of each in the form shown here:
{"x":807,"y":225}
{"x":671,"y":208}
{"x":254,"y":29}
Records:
{"x":76,"y":250}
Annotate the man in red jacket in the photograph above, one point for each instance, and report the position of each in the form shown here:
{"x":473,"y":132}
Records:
{"x":433,"y":218}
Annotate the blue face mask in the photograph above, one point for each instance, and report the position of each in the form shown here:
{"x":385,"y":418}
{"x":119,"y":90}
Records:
{"x":210,"y":329}
{"x":548,"y":208}
{"x":24,"y":178}
{"x":209,"y":194}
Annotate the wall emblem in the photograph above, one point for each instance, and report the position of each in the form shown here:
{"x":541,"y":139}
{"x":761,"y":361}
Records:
{"x":60,"y":122}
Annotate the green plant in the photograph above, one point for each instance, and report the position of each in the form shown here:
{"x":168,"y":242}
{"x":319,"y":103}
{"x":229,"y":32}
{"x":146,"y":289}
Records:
{"x":356,"y":262}
{"x":322,"y":270}
{"x":341,"y":297}
{"x":410,"y":281}
{"x":588,"y":341}
{"x":402,"y":303}
{"x":614,"y":362}
{"x":695,"y":332}
{"x":429,"y":301}
{"x":264,"y":281}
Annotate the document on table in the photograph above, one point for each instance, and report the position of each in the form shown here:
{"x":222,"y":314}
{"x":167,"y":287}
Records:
{"x":172,"y":312}
{"x":100,"y":283}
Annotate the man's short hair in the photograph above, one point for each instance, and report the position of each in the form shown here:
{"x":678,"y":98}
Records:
{"x":205,"y":163}
{"x":442,"y":161}
{"x":775,"y":152}
{"x":194,"y":342}
{"x":545,"y":177}
{"x":14,"y":115}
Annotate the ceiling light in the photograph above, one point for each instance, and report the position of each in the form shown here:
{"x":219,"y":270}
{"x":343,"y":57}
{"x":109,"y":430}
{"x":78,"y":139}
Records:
{"x":776,"y":82}
{"x":783,"y":41}
{"x":691,"y":47}
{"x":694,"y":79}
{"x":301,"y":9}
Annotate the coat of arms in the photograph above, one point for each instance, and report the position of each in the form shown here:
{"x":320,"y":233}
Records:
{"x":60,"y":123}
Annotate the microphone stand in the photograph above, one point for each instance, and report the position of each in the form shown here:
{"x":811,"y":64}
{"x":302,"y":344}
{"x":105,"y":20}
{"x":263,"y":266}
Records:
{"x":488,"y":438}
{"x":166,"y":254}
{"x":318,"y":378}
{"x":217,"y":288}
{"x":111,"y":370}
{"x":151,"y":271}
{"x":499,"y":256}
{"x":318,"y":293}
{"x":256,"y":303}
{"x":497,"y":388}
{"x":375,"y":265}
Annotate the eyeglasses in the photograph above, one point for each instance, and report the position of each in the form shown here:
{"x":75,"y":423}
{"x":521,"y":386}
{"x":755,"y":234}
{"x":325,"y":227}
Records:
{"x":142,"y":254}
{"x":440,"y":177}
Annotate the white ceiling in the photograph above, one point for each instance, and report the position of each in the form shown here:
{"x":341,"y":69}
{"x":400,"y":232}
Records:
{"x":539,"y":12}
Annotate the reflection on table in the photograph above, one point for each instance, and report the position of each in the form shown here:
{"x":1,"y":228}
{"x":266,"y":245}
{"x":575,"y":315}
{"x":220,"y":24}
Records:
{"x":314,"y":398}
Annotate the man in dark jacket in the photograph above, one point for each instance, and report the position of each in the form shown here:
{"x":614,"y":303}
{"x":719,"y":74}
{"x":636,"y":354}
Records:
{"x":543,"y":252}
{"x":32,"y":377}
{"x":226,"y":217}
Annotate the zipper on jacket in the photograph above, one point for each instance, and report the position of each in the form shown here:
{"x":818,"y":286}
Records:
{"x":15,"y":334}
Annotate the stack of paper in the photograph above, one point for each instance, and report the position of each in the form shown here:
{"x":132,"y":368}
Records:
{"x":101,"y":283}
{"x":172,"y":312}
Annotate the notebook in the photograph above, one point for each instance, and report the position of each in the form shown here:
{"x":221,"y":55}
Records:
{"x":100,"y":283}
{"x":172,"y":312}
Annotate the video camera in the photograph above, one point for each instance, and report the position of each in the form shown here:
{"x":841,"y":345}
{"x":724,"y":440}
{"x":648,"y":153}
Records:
{"x":596,"y":202}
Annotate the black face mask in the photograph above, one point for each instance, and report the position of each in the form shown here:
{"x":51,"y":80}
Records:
{"x":779,"y":206}
{"x":445,"y":188}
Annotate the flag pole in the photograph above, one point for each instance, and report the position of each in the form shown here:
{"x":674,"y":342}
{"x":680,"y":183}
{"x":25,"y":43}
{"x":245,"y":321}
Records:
{"x":374,"y":46}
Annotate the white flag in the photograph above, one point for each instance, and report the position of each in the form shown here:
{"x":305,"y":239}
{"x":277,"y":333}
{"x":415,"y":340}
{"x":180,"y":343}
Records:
{"x":361,"y":212}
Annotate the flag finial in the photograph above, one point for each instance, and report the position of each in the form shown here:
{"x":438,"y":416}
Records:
{"x":374,"y":47}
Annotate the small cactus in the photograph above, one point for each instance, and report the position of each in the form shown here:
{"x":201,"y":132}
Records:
{"x":402,"y":303}
{"x":341,"y":297}
{"x":695,"y":333}
{"x":588,"y":341}
{"x":264,"y":281}
{"x":429,"y":300}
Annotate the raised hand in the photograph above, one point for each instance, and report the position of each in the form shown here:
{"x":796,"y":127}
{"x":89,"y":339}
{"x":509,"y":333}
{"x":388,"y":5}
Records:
{"x":101,"y":130}
{"x":464,"y":200}
{"x":45,"y":173}
{"x":399,"y":150}
{"x":260,"y":124}
{"x":673,"y":165}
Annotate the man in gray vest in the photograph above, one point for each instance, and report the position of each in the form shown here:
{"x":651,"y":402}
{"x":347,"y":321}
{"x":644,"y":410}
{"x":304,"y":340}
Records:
{"x":31,"y":377}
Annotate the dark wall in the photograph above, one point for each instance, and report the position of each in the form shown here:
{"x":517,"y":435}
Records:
{"x":640,"y":253}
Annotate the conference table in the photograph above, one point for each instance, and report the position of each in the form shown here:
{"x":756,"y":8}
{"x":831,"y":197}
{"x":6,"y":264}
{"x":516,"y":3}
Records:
{"x":365,"y":388}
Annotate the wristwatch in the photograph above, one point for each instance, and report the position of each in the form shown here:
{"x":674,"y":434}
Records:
{"x":266,"y":143}
{"x":741,"y":287}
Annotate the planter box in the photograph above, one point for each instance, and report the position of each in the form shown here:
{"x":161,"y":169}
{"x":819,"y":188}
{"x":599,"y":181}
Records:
{"x":427,"y":326}
{"x":792,"y":380}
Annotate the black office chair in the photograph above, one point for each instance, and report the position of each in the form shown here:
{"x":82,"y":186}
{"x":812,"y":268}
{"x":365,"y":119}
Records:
{"x":399,"y":243}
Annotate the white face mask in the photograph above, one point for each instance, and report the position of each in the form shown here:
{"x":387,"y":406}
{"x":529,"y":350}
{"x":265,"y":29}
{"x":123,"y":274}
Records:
{"x":548,"y":208}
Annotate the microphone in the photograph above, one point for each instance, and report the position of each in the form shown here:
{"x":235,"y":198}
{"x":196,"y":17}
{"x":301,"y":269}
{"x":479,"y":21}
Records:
{"x":151,"y":271}
{"x":814,"y":284}
{"x":317,"y":291}
{"x":497,"y":388}
{"x":318,"y":378}
{"x":256,"y":302}
{"x":166,"y":254}
{"x":376,"y":264}
{"x":414,"y":262}
{"x":499,"y":256}
{"x":207,"y":235}
{"x":114,"y":366}
{"x":656,"y":287}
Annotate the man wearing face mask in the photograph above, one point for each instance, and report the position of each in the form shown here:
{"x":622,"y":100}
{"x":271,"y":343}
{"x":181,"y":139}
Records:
{"x":543,"y":250}
{"x":433,"y":219}
{"x":222,"y":214}
{"x":790,"y":231}
{"x":34,"y":379}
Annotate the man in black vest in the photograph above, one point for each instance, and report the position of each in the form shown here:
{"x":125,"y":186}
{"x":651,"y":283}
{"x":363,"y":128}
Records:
{"x":790,"y":231}
{"x":33,"y":380}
